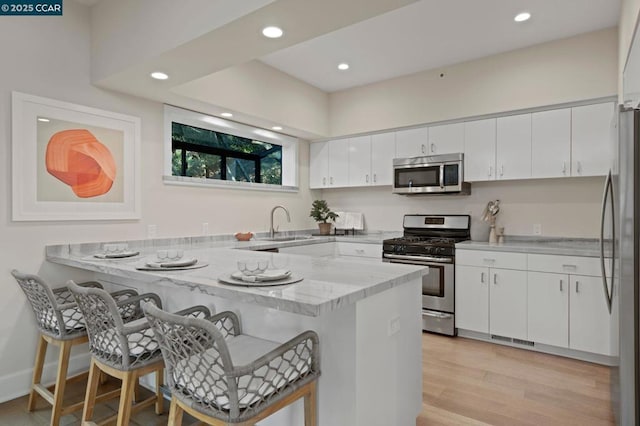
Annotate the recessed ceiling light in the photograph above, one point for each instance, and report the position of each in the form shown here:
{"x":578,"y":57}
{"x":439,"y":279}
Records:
{"x":226,"y":114}
{"x":277,"y":128}
{"x":343,"y":66}
{"x":272,"y":32}
{"x":44,"y":120}
{"x":521,"y":17}
{"x":159,"y":75}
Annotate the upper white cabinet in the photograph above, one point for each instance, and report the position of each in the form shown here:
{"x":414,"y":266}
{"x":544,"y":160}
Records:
{"x":412,"y":142}
{"x":551,"y":143}
{"x":480,"y":150}
{"x":592,"y":133}
{"x":513,"y":147}
{"x":360,"y":161}
{"x":329,"y":164}
{"x":383,"y":149}
{"x":318,"y":165}
{"x":446,"y":139}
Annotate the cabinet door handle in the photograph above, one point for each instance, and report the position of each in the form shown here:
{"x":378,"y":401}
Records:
{"x":488,"y":260}
{"x":324,"y":180}
{"x":366,"y":178}
{"x":360,"y":251}
{"x":502,"y":170}
{"x":433,"y":147}
{"x":579,"y":167}
{"x":482,"y":277}
{"x":564,"y":167}
{"x":422,"y":148}
{"x":331,"y":180}
{"x":495,"y":278}
{"x":577,"y":284}
{"x":490,"y":171}
{"x":560,"y":286}
{"x":572,"y":267}
{"x":375,"y":178}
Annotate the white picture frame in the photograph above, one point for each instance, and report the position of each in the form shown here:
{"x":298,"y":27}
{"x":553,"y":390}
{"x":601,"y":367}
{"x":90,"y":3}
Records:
{"x":40,"y":192}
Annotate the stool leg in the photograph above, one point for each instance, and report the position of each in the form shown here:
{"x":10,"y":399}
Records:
{"x":310,"y":406}
{"x":159,"y":397}
{"x":61,"y":381}
{"x":124,"y":409}
{"x":92,"y":391}
{"x":175,"y":413}
{"x":37,"y":371}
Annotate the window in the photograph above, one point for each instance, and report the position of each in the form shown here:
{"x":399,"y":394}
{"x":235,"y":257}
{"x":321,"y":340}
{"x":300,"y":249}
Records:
{"x":209,"y":150}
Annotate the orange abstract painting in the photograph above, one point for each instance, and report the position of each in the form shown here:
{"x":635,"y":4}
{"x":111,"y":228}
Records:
{"x":77,"y":158}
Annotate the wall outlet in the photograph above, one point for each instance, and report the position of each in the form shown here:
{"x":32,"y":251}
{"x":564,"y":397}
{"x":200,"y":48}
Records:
{"x":394,"y":326}
{"x":537,"y":229}
{"x":205,"y":228}
{"x":152,"y":231}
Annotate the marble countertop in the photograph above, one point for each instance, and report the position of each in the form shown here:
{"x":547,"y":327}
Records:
{"x":328,"y":283}
{"x":553,"y":246}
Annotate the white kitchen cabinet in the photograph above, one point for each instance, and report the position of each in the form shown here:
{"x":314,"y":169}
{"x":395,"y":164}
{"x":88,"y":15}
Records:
{"x":480,"y":150}
{"x":472,"y":298}
{"x":412,"y":142}
{"x":548,"y":308}
{"x":446,"y":139}
{"x":318,"y":165}
{"x":513,"y":147}
{"x":383,"y":150}
{"x":508,"y":303}
{"x":491,"y":292}
{"x":589,"y":318}
{"x":360,"y":161}
{"x":551,"y":143}
{"x":338,"y":163}
{"x":592,"y":136}
{"x":329,"y":164}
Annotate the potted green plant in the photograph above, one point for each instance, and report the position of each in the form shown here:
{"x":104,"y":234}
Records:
{"x":320,"y":212}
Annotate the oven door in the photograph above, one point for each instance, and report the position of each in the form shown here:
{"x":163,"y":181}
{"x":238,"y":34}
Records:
{"x":437,"y":285}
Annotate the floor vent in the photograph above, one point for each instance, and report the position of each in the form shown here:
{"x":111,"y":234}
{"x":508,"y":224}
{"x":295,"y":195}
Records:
{"x":510,"y":340}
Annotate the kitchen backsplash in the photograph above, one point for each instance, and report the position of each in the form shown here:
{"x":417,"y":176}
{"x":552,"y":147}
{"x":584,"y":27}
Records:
{"x":568,"y":207}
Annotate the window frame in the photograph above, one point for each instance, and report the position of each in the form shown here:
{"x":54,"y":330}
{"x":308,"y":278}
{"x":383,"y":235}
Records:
{"x":191,"y":118}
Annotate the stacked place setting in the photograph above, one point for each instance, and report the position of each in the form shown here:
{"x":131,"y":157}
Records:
{"x":116,"y":251}
{"x":256,"y":273}
{"x":170,"y":260}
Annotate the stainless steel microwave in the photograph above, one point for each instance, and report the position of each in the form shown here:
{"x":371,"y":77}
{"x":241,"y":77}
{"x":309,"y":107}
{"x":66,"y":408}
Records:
{"x":436,"y":174}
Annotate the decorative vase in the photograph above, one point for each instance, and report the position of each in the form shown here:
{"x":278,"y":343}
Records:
{"x":493,"y":238}
{"x":325,"y":228}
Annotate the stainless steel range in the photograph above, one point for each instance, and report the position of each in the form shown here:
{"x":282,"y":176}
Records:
{"x":430,"y":240}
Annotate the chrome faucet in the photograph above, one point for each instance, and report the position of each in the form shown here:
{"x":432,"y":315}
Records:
{"x":272,"y":231}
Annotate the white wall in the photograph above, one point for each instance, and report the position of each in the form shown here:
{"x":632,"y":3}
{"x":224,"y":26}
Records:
{"x":628,"y":19}
{"x":581,"y":67}
{"x":568,"y":207}
{"x":50,"y":57}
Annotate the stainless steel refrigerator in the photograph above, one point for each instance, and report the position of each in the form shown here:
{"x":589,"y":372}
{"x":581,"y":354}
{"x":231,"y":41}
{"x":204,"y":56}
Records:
{"x":624,"y":184}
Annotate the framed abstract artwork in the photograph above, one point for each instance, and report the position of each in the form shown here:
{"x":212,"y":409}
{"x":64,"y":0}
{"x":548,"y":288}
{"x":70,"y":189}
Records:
{"x":72,"y":162}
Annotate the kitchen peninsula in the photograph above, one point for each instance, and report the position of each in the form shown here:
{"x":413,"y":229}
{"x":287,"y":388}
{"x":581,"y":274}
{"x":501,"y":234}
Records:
{"x":366,"y":314}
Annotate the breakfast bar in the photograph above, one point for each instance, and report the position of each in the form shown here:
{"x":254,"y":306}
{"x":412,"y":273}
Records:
{"x":366,"y":315}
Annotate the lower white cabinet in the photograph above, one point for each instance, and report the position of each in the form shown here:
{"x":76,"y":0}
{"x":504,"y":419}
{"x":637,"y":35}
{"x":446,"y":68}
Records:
{"x":472,"y":298}
{"x":589,"y":318}
{"x":508,"y":303}
{"x":542,"y":299}
{"x":548,"y":308}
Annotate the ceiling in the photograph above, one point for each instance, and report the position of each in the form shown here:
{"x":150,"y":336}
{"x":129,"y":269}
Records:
{"x":433,"y":33}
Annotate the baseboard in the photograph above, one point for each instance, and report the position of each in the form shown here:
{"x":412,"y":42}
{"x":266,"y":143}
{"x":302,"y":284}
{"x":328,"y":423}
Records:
{"x":18,"y":384}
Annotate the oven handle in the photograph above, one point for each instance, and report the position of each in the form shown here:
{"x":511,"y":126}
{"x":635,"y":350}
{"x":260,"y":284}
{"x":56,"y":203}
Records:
{"x":439,"y":315}
{"x":421,"y":259}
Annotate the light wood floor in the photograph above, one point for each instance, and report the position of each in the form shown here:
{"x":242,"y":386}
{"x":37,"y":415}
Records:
{"x":465,"y":382}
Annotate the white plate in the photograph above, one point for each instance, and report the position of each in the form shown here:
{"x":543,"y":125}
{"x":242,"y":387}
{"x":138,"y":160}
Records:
{"x":180,"y":263}
{"x":228,"y":279}
{"x":121,"y":255}
{"x":268,"y":275}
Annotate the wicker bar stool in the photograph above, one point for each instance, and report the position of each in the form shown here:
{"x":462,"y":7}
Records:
{"x":60,"y":323}
{"x":220,"y":376}
{"x":122,"y":345}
